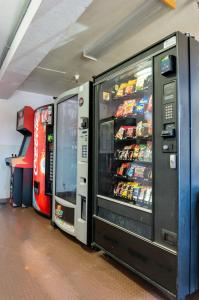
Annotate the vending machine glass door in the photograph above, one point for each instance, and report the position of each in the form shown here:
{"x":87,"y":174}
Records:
{"x":125,"y":149}
{"x":66,"y":149}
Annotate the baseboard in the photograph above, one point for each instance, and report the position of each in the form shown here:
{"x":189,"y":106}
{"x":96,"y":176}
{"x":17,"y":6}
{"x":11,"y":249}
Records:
{"x":4,"y":200}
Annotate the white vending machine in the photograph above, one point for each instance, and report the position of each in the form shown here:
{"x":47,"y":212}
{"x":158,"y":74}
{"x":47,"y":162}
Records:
{"x":72,"y":204}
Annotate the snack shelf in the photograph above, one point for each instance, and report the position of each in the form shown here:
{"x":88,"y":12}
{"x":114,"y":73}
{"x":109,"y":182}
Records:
{"x":126,"y":202}
{"x":124,"y":118}
{"x":135,"y":95}
{"x":133,"y":203}
{"x":105,"y":120}
{"x":133,"y":161}
{"x":132,"y":179}
{"x":130,"y":116}
{"x":136,"y":138}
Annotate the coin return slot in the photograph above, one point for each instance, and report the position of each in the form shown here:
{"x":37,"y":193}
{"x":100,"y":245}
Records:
{"x":82,"y":180}
{"x":83,"y":208}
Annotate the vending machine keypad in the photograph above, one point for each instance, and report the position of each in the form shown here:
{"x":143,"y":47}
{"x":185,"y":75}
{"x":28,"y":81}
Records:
{"x":168,"y":111}
{"x":51,"y":166}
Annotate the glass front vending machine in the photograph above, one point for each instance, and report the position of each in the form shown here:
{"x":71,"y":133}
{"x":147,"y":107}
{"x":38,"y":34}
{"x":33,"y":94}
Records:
{"x":146,"y":155}
{"x":71,"y":196}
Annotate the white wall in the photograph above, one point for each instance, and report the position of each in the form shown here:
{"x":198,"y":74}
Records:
{"x":10,"y":139}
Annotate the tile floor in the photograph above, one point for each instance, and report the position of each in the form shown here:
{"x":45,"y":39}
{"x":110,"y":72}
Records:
{"x":38,"y":262}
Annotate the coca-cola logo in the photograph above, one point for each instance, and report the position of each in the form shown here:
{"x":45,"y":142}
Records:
{"x":36,"y":138}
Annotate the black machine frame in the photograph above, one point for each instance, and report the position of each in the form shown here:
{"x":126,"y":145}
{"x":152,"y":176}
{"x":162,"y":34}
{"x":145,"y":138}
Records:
{"x":175,"y":272}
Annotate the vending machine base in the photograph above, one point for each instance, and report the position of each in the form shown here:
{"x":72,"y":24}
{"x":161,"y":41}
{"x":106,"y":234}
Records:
{"x":22,"y":187}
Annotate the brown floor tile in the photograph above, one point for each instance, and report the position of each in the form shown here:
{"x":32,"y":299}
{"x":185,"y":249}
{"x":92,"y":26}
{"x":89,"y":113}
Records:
{"x":38,"y":262}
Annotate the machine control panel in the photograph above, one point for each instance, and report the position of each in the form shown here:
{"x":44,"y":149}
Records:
{"x":83,"y":140}
{"x":51,"y":166}
{"x":49,"y":160}
{"x":168,"y":132}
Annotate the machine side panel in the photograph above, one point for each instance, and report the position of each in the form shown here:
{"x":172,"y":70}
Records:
{"x":194,"y":81}
{"x":83,"y":201}
{"x":183,"y":108}
{"x":27,"y":187}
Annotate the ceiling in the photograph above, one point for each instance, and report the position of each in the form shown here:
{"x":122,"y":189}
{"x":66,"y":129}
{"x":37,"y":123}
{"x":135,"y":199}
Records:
{"x":119,"y":29}
{"x":12,"y":12}
{"x":44,"y":26}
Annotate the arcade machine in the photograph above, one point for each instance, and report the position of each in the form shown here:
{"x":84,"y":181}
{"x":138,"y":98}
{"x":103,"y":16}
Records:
{"x":146,"y":166}
{"x":21,"y":166}
{"x":43,"y":159}
{"x":71,"y":196}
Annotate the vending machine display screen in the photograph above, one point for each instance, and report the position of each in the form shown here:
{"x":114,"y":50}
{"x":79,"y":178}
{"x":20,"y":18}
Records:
{"x":20,"y":119}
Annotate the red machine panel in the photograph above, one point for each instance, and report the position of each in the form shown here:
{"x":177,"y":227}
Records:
{"x":43,"y":137}
{"x":25,"y":126}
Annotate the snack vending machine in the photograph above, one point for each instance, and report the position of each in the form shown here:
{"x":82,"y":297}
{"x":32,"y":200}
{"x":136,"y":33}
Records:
{"x":146,"y":166}
{"x":71,"y":196}
{"x":43,"y":159}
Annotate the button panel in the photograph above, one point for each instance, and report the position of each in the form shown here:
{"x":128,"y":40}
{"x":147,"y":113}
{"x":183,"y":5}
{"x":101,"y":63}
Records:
{"x":84,"y":151}
{"x":168,"y":111}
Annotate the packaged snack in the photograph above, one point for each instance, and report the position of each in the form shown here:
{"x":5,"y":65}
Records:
{"x":150,"y":104}
{"x":144,"y":100}
{"x":148,"y":82}
{"x":121,"y":90}
{"x":121,"y":170}
{"x":131,"y":151}
{"x":139,"y":109}
{"x":131,"y":154}
{"x":130,"y":192}
{"x":140,"y":83}
{"x":139,"y":129}
{"x":136,"y":192}
{"x":118,"y":154}
{"x":116,"y":87}
{"x":120,"y":134}
{"x":142,"y":152}
{"x":150,"y":201}
{"x":106,"y":96}
{"x":127,"y":151}
{"x":130,"y":87}
{"x":144,"y":129}
{"x":120,"y":111}
{"x":130,"y":170}
{"x":128,"y":107}
{"x":147,"y":196}
{"x":150,"y":174}
{"x":150,"y":129}
{"x":117,"y":188}
{"x":139,"y":171}
{"x":136,"y":151}
{"x":130,"y":131}
{"x":148,"y":152}
{"x":141,"y":196}
{"x":124,"y":190}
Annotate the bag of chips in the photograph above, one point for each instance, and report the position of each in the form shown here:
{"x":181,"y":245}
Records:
{"x":141,"y":155}
{"x":120,"y":134}
{"x":120,"y":111}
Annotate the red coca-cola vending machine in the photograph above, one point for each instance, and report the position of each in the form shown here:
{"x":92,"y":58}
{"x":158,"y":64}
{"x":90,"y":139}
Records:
{"x":43,"y":159}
